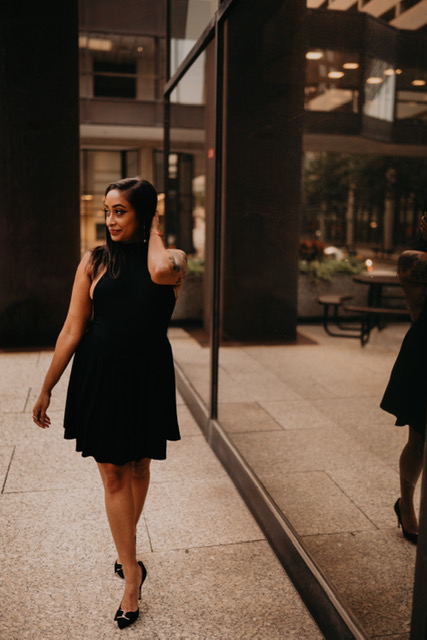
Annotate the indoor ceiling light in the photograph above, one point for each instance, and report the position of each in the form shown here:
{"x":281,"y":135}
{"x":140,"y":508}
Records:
{"x":314,"y":55}
{"x":374,"y":80}
{"x":95,"y":44}
{"x":418,"y":83}
{"x":335,"y":74}
{"x":351,"y":65}
{"x":389,"y":72}
{"x":398,"y":72}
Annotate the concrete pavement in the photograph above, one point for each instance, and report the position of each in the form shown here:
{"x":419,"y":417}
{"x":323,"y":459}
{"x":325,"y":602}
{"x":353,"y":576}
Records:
{"x":211,"y":573}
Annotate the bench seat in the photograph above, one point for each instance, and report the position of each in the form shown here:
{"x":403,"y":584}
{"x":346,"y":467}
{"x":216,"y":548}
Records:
{"x":379,"y":311}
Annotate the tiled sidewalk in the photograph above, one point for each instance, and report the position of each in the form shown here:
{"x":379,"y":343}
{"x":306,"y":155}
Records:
{"x":211,"y":573}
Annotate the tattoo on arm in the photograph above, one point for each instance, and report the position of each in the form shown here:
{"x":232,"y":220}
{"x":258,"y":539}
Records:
{"x":178,"y":261}
{"x":174,"y":263}
{"x":412,"y":265}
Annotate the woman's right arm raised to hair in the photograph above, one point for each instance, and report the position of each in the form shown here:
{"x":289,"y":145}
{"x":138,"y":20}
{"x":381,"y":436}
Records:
{"x":78,"y":315}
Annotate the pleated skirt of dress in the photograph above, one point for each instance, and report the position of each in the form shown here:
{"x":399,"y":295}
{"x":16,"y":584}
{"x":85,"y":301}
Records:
{"x":121,"y":405}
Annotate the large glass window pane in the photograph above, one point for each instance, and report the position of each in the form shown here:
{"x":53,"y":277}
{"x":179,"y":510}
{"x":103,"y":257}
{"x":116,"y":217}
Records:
{"x":191,"y":88}
{"x":188,"y":207}
{"x":188,"y":21}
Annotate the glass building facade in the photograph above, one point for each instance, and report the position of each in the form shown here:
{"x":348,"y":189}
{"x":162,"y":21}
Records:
{"x":295,"y":104}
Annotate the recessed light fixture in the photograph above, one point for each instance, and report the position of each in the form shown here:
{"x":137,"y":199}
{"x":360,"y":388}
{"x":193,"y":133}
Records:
{"x":398,"y":72}
{"x":140,"y":49}
{"x":418,"y":83}
{"x":389,"y":72}
{"x":314,"y":55}
{"x":95,"y":44}
{"x":335,"y":74}
{"x":350,"y":65}
{"x":374,"y":80}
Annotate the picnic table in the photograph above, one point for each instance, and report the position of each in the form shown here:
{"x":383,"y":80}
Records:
{"x":380,"y":304}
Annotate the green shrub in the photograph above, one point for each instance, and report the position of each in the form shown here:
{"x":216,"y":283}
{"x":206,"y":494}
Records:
{"x":327,"y":268}
{"x":196,"y":266}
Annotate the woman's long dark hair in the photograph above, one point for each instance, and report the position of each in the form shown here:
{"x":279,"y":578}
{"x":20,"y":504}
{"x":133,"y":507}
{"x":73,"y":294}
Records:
{"x":143,"y":197}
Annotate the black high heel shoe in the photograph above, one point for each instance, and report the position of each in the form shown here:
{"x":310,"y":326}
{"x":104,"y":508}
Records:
{"x":118,"y":569}
{"x":126,"y":618}
{"x":412,"y":537}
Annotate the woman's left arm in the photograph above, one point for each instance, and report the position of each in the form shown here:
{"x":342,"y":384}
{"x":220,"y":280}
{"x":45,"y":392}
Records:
{"x":166,"y":266}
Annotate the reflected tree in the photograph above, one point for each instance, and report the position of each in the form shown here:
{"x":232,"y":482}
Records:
{"x":369,"y":200}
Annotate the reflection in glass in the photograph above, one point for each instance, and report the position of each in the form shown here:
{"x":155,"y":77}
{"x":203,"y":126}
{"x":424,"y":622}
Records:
{"x":332,"y":81}
{"x":380,"y":83}
{"x":347,"y":199}
{"x":188,"y":20}
{"x":185,"y":220}
{"x":191,"y":88}
{"x":411,"y":99}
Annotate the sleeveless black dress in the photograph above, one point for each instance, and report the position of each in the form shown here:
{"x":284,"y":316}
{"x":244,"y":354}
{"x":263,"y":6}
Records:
{"x":121,"y":403}
{"x":406,"y":393}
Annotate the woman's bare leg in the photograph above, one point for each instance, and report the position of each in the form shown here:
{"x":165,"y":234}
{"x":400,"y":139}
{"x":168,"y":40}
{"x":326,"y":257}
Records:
{"x":140,"y":481}
{"x":410,"y":465}
{"x":120,"y":508}
{"x":140,"y":484}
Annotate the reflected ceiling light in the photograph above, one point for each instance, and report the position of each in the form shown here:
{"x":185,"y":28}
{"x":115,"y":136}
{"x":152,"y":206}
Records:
{"x":373,"y":224}
{"x":95,"y":44}
{"x":140,"y":49}
{"x":350,"y":65}
{"x":418,"y":83}
{"x":314,"y":55}
{"x":87,"y":196}
{"x":335,"y":74}
{"x":374,"y":80}
{"x":389,"y":72}
{"x":398,"y":72}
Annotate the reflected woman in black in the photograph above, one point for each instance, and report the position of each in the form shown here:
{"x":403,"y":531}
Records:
{"x":406,"y":393}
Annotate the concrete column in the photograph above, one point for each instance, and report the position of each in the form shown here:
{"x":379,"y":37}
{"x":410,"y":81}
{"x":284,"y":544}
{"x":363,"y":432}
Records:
{"x":264,"y":103}
{"x":39,"y":176}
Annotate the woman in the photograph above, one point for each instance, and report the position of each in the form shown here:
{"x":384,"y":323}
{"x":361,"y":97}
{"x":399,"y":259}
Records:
{"x":405,"y":395}
{"x":121,"y":406}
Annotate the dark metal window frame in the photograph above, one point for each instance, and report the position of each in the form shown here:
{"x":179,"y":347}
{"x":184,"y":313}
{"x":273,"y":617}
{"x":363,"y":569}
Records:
{"x":213,"y":31}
